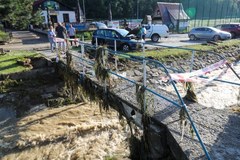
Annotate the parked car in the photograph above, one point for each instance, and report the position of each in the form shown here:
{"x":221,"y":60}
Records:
{"x":107,"y":36}
{"x":209,"y":33}
{"x":96,"y":25}
{"x":156,"y":31}
{"x":233,"y":28}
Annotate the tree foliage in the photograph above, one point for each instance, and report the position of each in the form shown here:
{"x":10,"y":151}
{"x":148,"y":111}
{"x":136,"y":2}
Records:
{"x":19,"y":13}
{"x":98,"y":9}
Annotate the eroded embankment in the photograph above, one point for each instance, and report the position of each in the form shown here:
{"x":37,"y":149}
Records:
{"x":32,"y":129}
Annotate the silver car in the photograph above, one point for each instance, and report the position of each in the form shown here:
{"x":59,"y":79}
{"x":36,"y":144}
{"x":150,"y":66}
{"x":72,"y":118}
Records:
{"x":209,"y":33}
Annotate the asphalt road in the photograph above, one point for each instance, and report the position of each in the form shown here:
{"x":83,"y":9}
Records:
{"x":174,"y":40}
{"x":26,"y":40}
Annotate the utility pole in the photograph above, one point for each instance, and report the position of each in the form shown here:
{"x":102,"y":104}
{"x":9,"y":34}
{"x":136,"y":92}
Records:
{"x":110,"y":12}
{"x":79,"y":12}
{"x":84,"y":11}
{"x":48,"y":18}
{"x":137,"y":8}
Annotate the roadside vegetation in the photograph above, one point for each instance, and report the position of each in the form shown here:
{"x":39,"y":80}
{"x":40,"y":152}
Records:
{"x":4,"y":37}
{"x":87,"y":35}
{"x":9,"y":61}
{"x":162,"y":53}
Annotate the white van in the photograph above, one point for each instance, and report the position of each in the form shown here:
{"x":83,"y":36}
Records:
{"x":156,"y":31}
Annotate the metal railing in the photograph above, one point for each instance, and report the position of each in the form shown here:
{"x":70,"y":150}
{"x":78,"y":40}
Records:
{"x":179,"y":103}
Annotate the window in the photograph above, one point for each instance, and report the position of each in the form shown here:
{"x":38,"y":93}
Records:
{"x":218,"y":26}
{"x":147,"y":27}
{"x":200,"y":29}
{"x":100,"y":33}
{"x":108,"y":33}
{"x":226,"y":26}
{"x":66,"y":18}
{"x":208,"y":30}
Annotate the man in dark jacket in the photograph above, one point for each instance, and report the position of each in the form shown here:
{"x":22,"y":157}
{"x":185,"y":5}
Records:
{"x":62,"y":33}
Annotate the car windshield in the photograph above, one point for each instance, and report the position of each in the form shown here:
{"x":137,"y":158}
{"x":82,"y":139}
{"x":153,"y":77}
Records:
{"x":123,"y":32}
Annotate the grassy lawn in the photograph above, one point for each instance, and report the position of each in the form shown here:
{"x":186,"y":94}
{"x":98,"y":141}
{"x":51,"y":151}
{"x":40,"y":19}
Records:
{"x":186,"y":51}
{"x":163,"y":53}
{"x":8,"y":62}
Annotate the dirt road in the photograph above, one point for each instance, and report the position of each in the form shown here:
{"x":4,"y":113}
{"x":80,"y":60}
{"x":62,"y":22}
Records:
{"x":26,"y":40}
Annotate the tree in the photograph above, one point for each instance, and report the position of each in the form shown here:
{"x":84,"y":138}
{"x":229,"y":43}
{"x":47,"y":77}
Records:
{"x":98,"y":9}
{"x":19,"y":13}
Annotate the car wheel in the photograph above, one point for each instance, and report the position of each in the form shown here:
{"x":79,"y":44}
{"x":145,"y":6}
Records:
{"x":216,"y":37}
{"x":192,"y":37}
{"x":125,"y":47}
{"x":155,"y":37}
{"x":233,"y":35}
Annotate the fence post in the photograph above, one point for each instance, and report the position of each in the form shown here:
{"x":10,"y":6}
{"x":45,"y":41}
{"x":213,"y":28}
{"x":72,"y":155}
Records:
{"x":96,"y":42}
{"x":144,"y":75}
{"x":82,"y":49}
{"x":192,"y":60}
{"x":83,"y":38}
{"x":115,"y":51}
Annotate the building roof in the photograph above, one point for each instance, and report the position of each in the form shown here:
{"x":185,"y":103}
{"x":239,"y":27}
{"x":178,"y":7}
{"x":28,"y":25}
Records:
{"x":174,"y":9}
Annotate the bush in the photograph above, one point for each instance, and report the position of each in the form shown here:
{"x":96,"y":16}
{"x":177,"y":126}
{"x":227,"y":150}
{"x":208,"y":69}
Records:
{"x":1,"y":27}
{"x":87,"y":35}
{"x":4,"y":37}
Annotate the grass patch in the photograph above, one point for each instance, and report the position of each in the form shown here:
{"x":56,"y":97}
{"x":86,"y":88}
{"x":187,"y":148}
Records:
{"x":163,"y":53}
{"x":8,"y":62}
{"x":4,"y":37}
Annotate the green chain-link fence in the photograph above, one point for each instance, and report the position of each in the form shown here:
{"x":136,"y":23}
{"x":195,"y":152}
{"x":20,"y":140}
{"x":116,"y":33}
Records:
{"x":211,"y":12}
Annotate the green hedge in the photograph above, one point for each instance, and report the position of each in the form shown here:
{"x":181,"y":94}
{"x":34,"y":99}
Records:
{"x":4,"y":37}
{"x":87,"y":35}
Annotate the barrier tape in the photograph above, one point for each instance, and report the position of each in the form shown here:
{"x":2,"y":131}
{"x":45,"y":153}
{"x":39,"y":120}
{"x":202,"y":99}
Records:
{"x":194,"y":76}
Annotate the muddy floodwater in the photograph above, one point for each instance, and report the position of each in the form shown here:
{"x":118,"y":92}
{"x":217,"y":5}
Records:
{"x":6,"y":113}
{"x":71,"y":132}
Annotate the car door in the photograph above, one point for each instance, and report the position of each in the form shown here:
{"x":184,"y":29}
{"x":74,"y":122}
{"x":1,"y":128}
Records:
{"x":199,"y":32}
{"x":208,"y":33}
{"x":99,"y":35}
{"x":111,"y":35}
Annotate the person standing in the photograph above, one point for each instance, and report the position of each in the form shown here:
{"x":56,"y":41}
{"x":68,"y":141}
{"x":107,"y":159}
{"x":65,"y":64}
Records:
{"x":51,"y":38}
{"x":143,"y":32}
{"x":62,"y":33}
{"x":72,"y":33}
{"x":127,"y":28}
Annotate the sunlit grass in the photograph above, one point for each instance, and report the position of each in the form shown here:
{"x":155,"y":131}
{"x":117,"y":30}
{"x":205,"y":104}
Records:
{"x":8,"y":62}
{"x":185,"y":51}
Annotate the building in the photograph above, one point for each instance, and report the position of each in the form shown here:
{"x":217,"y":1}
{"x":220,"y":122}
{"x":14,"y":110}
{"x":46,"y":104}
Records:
{"x":171,"y":14}
{"x":54,"y":11}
